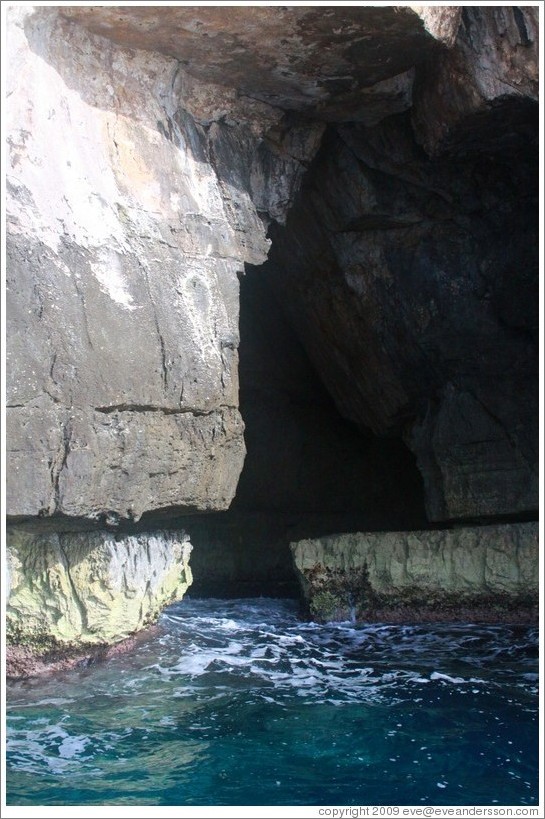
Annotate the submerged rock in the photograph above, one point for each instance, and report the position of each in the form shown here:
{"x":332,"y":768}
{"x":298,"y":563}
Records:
{"x":486,"y":573}
{"x":83,"y":590}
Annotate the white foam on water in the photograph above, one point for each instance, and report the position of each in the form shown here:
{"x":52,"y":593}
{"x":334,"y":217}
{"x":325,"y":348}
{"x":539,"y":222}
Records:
{"x":73,"y":746}
{"x":229,"y":625}
{"x":436,"y":675}
{"x":47,"y":701}
{"x":328,"y":662}
{"x":214,"y":655}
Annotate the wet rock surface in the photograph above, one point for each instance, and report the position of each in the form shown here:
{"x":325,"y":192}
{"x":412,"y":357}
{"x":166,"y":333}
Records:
{"x":490,"y":571}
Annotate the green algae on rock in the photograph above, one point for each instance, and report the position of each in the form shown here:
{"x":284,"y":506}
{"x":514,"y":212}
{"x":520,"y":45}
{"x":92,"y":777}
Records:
{"x":90,"y":588}
{"x":491,"y":572}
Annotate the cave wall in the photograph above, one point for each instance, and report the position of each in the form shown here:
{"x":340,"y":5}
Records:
{"x":413,"y":282}
{"x":409,"y":267}
{"x":303,"y":456}
{"x":476,"y":574}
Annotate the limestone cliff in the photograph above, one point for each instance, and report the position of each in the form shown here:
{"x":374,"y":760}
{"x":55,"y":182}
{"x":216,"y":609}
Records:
{"x":128,"y":223}
{"x":89,"y":588}
{"x":376,"y":166}
{"x":151,"y":148}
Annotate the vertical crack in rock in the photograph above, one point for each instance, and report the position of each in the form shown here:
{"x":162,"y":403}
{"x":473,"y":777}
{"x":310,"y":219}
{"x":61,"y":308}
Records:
{"x":164,"y":367}
{"x":58,"y":464}
{"x":39,"y":300}
{"x":82,"y":609}
{"x":81,"y":296}
{"x":52,"y":367}
{"x":146,"y":596}
{"x":47,"y":387}
{"x":521,"y":25}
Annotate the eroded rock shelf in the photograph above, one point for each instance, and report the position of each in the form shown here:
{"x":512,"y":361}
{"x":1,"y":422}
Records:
{"x":481,"y":573}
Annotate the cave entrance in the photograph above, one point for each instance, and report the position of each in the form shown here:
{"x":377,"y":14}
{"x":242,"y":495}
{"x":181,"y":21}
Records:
{"x":308,"y":472}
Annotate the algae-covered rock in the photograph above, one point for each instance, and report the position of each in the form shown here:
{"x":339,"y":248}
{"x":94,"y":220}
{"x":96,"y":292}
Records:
{"x":489,"y":570}
{"x":90,"y":588}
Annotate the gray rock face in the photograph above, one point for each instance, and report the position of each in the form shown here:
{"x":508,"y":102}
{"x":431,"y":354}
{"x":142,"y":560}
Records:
{"x":128,"y":224}
{"x":336,"y":63}
{"x":412,"y":284}
{"x":473,"y":93}
{"x":435,"y":574}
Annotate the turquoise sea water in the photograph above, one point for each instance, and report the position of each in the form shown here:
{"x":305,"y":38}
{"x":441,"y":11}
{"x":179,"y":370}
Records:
{"x":238,"y":702}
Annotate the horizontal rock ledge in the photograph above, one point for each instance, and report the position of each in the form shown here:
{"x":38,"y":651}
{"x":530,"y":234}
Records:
{"x":22,"y":662}
{"x":72,"y":595}
{"x":479,"y":573}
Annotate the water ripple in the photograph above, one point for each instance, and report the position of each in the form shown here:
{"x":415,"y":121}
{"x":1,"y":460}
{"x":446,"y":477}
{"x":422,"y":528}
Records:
{"x":337,"y":714}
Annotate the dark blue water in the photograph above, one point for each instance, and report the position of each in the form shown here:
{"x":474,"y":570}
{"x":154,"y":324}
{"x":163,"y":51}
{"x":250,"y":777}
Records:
{"x":239,"y":703}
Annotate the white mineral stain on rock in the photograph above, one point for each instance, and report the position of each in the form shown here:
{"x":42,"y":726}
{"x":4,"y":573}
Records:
{"x":68,"y":187}
{"x":110,"y":277}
